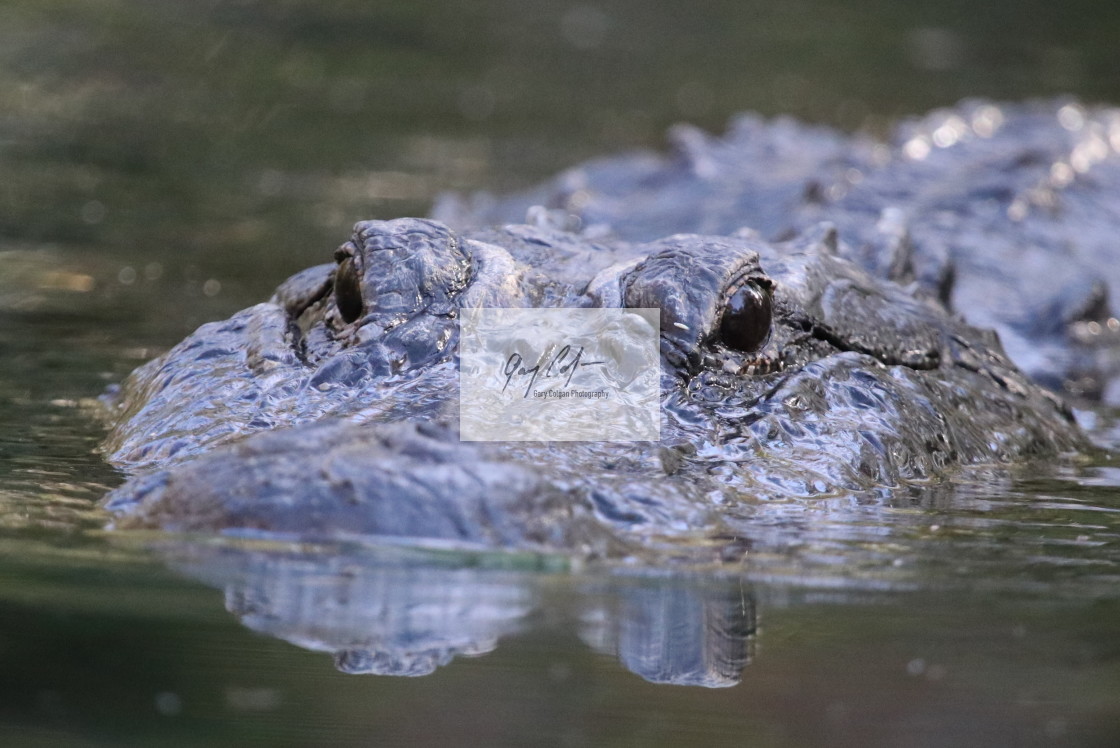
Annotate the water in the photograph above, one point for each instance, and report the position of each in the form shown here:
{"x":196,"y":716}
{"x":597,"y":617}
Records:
{"x":165,"y":164}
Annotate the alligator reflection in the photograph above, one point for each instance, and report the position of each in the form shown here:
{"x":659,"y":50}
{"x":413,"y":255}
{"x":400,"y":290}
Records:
{"x":400,"y":612}
{"x":670,"y":631}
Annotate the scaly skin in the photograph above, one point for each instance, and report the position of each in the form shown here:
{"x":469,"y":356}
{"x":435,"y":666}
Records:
{"x":862,"y":389}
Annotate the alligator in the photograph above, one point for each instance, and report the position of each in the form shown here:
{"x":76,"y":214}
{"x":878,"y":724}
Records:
{"x":1007,"y":212}
{"x":787,"y":374}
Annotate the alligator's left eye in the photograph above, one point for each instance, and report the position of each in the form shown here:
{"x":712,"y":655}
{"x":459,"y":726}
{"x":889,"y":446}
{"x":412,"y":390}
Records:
{"x":348,"y":290}
{"x":745,"y":325}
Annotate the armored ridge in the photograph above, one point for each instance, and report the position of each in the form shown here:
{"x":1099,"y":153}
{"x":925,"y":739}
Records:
{"x":1007,"y":212}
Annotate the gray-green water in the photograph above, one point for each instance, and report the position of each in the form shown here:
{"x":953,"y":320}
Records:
{"x":166,"y":163}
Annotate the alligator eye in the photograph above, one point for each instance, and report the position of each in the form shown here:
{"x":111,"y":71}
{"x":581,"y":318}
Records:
{"x":348,"y":291}
{"x":746,"y":318}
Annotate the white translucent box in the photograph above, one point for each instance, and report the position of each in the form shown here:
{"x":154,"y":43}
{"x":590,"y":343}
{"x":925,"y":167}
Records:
{"x":559,"y":375}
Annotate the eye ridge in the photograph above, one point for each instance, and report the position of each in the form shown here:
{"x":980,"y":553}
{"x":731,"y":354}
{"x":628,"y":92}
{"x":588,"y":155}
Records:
{"x":747,"y":315}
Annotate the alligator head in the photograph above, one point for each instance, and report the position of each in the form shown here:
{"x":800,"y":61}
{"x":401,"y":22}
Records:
{"x":786,"y":373}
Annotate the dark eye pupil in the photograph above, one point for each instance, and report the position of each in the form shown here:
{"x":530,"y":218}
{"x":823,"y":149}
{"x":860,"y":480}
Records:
{"x":746,"y":319}
{"x":348,"y":291}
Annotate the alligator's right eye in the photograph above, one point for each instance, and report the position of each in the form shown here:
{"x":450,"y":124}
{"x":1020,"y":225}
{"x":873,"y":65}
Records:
{"x":348,"y":291}
{"x":745,"y":325}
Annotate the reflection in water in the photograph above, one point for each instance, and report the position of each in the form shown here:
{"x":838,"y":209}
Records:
{"x":403,"y":612}
{"x":669,"y":631}
{"x":406,"y":611}
{"x":380,"y":613}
